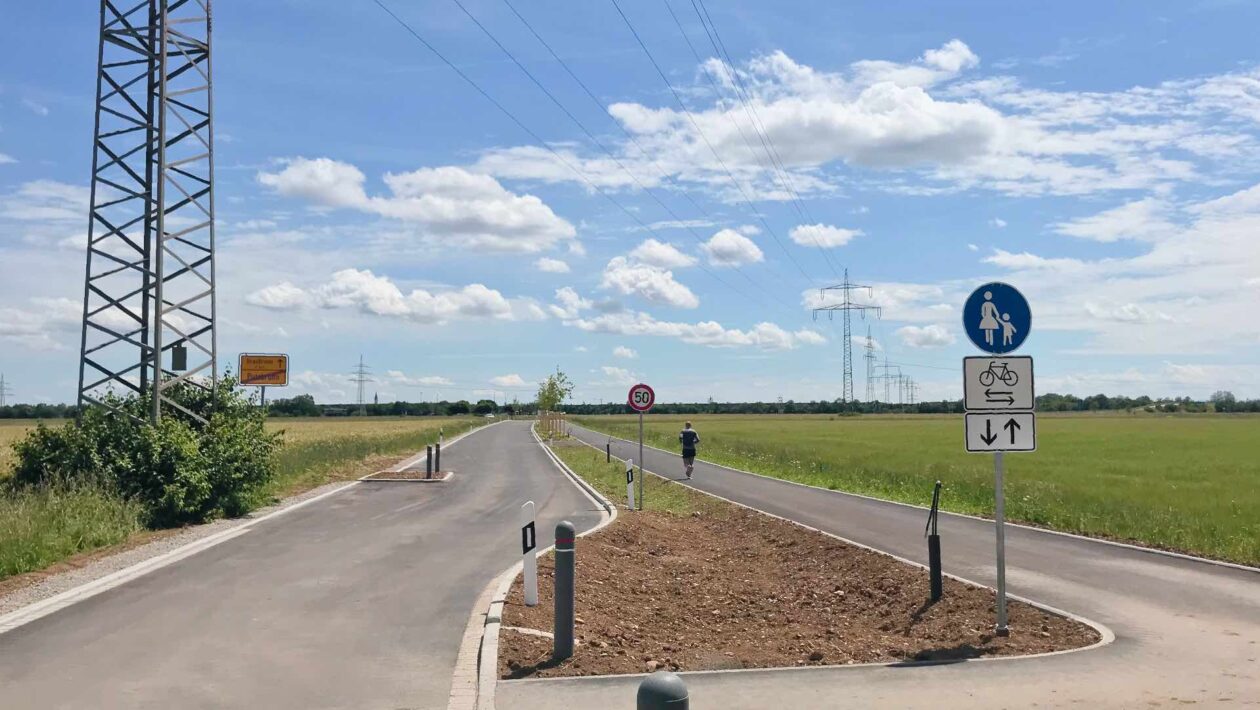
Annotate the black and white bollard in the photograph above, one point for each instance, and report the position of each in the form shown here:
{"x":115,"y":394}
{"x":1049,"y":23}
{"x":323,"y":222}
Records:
{"x":565,"y":597}
{"x":608,"y":451}
{"x":630,"y":483}
{"x":529,"y":543}
{"x":934,"y":546}
{"x":428,"y":465}
{"x":662,"y":691}
{"x":437,"y":457}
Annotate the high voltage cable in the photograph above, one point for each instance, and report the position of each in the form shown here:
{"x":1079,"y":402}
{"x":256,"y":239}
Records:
{"x":536,"y":137}
{"x":742,"y":94}
{"x":705,"y":138}
{"x":589,"y":134}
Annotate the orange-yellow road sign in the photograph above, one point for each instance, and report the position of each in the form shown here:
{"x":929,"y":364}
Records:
{"x":268,"y":370}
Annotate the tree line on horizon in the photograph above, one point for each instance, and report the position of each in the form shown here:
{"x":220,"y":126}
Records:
{"x":305,"y":406}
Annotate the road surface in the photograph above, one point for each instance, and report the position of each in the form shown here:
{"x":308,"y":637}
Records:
{"x":1187,"y":632}
{"x":358,"y":600}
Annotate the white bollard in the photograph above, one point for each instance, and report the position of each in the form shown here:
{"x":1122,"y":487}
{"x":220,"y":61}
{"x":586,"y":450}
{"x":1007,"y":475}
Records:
{"x":529,"y":551}
{"x":630,"y":482}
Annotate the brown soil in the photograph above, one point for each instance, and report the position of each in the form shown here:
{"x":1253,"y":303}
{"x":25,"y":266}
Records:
{"x":731,"y":588}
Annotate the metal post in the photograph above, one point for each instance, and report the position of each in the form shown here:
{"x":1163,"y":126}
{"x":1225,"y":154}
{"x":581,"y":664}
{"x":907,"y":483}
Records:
{"x":565,"y":596}
{"x":640,"y":460}
{"x":608,"y":451}
{"x":428,"y":461}
{"x":529,"y":582}
{"x":437,"y":457}
{"x":999,"y":520}
{"x":934,"y":546}
{"x":262,"y":397}
{"x":662,"y":691}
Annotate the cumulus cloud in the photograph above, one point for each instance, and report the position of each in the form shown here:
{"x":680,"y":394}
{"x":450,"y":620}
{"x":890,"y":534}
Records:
{"x":448,"y":205}
{"x":1145,"y":220}
{"x":551,"y":266}
{"x":622,"y":351}
{"x":512,"y":380}
{"x":930,"y":336}
{"x":997,"y":223}
{"x":648,"y":282}
{"x":366,"y":292}
{"x":824,"y":236}
{"x":766,"y":336}
{"x":569,"y":304}
{"x":47,"y":201}
{"x":661,"y":254}
{"x":730,"y":248}
{"x":46,"y":323}
{"x":401,"y":378}
{"x":618,"y":376}
{"x":5,"y":159}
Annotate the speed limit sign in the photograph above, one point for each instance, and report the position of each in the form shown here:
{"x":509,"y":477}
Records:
{"x":642,"y":397}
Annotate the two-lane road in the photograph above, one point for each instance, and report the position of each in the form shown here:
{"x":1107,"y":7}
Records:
{"x":358,"y":600}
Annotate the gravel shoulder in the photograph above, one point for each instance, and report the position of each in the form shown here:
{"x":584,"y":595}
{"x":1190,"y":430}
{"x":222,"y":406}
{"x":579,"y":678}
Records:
{"x":20,"y":590}
{"x":701,"y":584}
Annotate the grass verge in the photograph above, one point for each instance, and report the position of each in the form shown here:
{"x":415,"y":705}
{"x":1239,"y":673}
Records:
{"x":40,"y":526}
{"x":1187,"y":483}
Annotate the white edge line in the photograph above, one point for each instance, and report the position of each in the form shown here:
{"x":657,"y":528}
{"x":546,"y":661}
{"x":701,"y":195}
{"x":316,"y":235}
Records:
{"x":486,"y":645}
{"x":1106,"y":635}
{"x":1048,"y":531}
{"x":37,"y":610}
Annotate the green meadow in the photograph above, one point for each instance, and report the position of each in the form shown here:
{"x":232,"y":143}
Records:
{"x":1185,"y":482}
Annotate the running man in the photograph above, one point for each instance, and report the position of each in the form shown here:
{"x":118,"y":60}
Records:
{"x":689,"y":439}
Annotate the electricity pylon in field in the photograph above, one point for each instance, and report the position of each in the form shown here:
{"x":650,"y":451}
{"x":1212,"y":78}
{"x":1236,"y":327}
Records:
{"x":847,"y":307}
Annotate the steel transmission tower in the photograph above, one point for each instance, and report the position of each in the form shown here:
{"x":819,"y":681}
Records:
{"x":362,"y":376}
{"x":870,"y":366}
{"x":149,"y":289}
{"x":5,"y":392}
{"x":847,"y":307}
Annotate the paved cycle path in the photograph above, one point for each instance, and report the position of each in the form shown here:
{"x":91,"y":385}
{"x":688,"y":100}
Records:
{"x":358,"y":600}
{"x":1187,"y":631}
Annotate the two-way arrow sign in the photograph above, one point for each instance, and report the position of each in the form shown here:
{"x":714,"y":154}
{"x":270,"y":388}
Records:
{"x":1001,"y":431}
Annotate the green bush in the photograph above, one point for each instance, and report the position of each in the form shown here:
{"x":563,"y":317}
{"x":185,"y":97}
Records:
{"x":182,"y":471}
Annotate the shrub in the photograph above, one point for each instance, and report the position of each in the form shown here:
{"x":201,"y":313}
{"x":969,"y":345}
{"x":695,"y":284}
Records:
{"x":181,"y":471}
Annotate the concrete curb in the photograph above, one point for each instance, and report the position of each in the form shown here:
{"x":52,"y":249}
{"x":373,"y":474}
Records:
{"x":481,"y":639}
{"x":1106,"y":635}
{"x":446,"y":476}
{"x":1048,"y":531}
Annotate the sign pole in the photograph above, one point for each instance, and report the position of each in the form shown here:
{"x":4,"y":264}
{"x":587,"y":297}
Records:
{"x":640,"y":460}
{"x":263,"y":397}
{"x":999,"y":523}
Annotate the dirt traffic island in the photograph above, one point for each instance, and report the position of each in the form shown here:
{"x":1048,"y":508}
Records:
{"x":716,"y":586}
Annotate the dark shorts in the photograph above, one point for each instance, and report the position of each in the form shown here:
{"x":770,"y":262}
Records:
{"x":689,"y":457}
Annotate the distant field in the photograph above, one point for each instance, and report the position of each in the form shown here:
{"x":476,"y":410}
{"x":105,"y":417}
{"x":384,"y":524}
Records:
{"x":1188,"y":483}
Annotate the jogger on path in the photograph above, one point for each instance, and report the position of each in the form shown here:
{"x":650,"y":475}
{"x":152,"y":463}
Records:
{"x":689,"y":439}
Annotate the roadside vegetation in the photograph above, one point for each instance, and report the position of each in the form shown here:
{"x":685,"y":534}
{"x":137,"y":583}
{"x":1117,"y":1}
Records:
{"x":1189,"y":483}
{"x":68,"y":488}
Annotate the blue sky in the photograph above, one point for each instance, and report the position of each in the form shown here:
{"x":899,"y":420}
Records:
{"x":1102,"y":157}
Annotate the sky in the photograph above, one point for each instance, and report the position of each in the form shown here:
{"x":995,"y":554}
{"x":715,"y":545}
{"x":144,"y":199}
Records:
{"x":660,"y":195}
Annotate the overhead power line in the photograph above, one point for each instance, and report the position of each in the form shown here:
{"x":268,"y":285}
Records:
{"x":532,"y":134}
{"x":705,"y":138}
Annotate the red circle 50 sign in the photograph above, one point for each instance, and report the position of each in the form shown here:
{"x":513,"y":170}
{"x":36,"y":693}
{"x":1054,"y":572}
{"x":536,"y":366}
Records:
{"x":641,"y":397}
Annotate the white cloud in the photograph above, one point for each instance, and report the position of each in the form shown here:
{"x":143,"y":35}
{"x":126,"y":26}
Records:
{"x":622,"y":351}
{"x":551,"y":266}
{"x":1127,"y":313}
{"x":730,"y":248}
{"x":569,"y":304}
{"x":5,"y":159}
{"x":1144,"y":220}
{"x":650,"y":283}
{"x":449,"y":205}
{"x":378,"y":295}
{"x":997,"y":223}
{"x":513,"y":380}
{"x":930,"y":336}
{"x":35,"y":107}
{"x":281,"y":296}
{"x":767,"y":336}
{"x":823,"y":235}
{"x":47,"y":201}
{"x":618,"y":376}
{"x":661,"y":254}
{"x":401,"y":378}
{"x":972,"y":247}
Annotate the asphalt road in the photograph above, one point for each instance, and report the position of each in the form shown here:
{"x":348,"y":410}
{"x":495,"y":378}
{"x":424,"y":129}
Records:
{"x":1187,"y":632}
{"x":358,"y":600}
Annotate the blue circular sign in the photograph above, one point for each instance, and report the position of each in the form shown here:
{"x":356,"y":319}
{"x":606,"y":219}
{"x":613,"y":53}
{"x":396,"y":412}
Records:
{"x":997,"y":318}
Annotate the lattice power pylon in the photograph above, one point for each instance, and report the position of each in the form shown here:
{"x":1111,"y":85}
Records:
{"x":847,"y":307}
{"x":870,"y":366}
{"x":149,"y":291}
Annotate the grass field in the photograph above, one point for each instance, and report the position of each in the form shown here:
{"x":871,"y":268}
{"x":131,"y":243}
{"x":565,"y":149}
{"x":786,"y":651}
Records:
{"x":1188,"y":483}
{"x":41,"y":527}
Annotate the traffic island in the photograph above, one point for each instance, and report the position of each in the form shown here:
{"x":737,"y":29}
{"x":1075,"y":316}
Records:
{"x":409,"y":476}
{"x":695,"y":583}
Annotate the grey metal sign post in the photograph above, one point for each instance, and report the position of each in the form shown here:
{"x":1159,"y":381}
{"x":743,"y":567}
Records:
{"x":641,"y":399}
{"x":998,"y":398}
